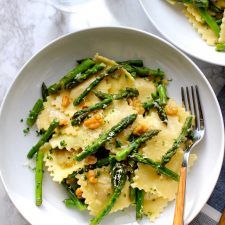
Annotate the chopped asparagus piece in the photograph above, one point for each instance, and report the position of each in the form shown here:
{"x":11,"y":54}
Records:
{"x":184,"y":132}
{"x":197,"y":3}
{"x":39,"y":178}
{"x":132,"y":62}
{"x":44,"y":138}
{"x":136,"y":144}
{"x":161,"y":111}
{"x":144,"y":71}
{"x":77,"y":203}
{"x":214,"y":8}
{"x":32,"y":117}
{"x":79,"y":61}
{"x":80,"y":115}
{"x":70,"y":76}
{"x":119,"y":178}
{"x":108,"y":135}
{"x":139,"y":203}
{"x":78,"y":100}
{"x":44,"y":92}
{"x":123,"y":93}
{"x":220,"y":47}
{"x":158,"y":102}
{"x":100,"y":163}
{"x":161,"y":89}
{"x":161,"y":169}
{"x":133,"y":192}
{"x":81,"y":97}
{"x":210,"y":21}
{"x":84,"y":76}
{"x":69,"y":203}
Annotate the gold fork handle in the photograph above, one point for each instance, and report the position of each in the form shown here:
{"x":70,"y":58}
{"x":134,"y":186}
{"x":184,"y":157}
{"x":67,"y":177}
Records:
{"x":222,"y":219}
{"x":180,"y":200}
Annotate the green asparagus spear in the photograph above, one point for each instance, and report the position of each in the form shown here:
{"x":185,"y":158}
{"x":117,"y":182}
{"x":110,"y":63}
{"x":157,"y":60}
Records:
{"x":39,"y":177}
{"x":132,"y":62}
{"x":101,"y":95}
{"x":161,"y":89}
{"x":158,"y":101}
{"x":44,"y":138}
{"x":161,"y":169}
{"x":210,"y":21}
{"x":184,"y":132}
{"x":78,"y":100}
{"x":156,"y":104}
{"x":123,"y":93}
{"x":136,"y":144}
{"x":100,"y":163}
{"x":69,"y":203}
{"x":220,"y":47}
{"x":32,"y":117}
{"x":219,"y":22}
{"x":126,"y":93}
{"x":214,"y":8}
{"x":139,"y":203}
{"x":133,"y":195}
{"x":148,"y":105}
{"x":107,"y":99}
{"x":119,"y":179}
{"x":80,"y":115}
{"x":44,"y":92}
{"x":81,"y":97}
{"x":131,"y":169}
{"x":200,"y":3}
{"x":197,"y":3}
{"x":144,"y":71}
{"x":77,"y":203}
{"x":161,"y":111}
{"x":83,"y":76}
{"x":79,"y":61}
{"x":108,"y":135}
{"x":69,"y":77}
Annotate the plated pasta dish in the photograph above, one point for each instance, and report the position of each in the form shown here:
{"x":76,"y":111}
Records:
{"x":112,"y":137}
{"x":208,"y":18}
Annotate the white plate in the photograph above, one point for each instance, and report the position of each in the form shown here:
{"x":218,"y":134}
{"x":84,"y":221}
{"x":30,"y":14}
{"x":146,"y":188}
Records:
{"x":172,"y":24}
{"x":55,"y":60}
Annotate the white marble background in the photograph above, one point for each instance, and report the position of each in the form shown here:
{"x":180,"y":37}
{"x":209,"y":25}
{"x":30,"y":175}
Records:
{"x":27,"y":25}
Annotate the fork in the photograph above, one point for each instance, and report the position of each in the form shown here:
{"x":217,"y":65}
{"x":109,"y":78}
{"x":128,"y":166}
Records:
{"x":191,"y":101}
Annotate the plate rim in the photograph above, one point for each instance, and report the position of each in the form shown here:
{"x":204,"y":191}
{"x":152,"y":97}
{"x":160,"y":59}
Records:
{"x":173,"y":42}
{"x":148,"y":34}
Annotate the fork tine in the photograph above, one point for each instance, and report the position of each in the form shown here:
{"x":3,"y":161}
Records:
{"x":189,"y":102}
{"x":195,"y":103}
{"x":201,"y":118}
{"x":183,"y":98}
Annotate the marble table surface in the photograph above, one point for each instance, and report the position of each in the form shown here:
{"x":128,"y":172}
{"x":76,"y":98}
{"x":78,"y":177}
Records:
{"x":27,"y":25}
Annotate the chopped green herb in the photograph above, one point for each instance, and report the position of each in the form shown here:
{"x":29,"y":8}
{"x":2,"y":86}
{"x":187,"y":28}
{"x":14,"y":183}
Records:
{"x":118,"y":144}
{"x":26,"y":131}
{"x":98,"y":173}
{"x":40,"y":132}
{"x":63,"y":143}
{"x":49,"y":157}
{"x":21,"y":120}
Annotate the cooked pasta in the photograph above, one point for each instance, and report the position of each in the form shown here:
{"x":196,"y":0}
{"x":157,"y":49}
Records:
{"x":208,"y":19}
{"x":92,"y":146}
